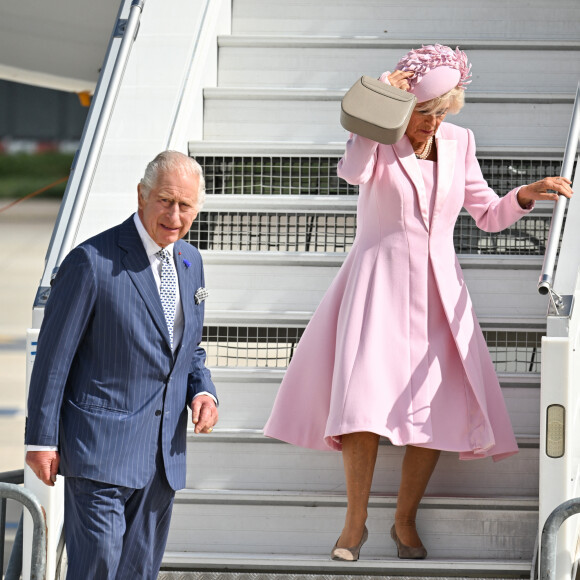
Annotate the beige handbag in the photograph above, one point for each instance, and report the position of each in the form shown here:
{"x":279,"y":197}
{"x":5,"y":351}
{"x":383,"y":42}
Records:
{"x":376,"y":110}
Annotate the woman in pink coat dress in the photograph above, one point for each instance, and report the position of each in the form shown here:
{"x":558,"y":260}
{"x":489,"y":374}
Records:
{"x":394,"y":349}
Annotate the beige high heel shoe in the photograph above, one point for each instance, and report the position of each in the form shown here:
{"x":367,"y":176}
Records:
{"x":349,"y":554}
{"x":407,"y":552}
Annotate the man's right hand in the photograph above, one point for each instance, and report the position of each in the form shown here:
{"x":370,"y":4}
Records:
{"x":44,"y":464}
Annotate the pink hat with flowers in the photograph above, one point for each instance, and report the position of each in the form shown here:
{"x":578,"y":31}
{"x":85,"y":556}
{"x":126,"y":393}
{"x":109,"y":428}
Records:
{"x":437,"y":68}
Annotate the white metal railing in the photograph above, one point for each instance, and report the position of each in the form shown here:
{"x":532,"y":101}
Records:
{"x":94,"y":133}
{"x":127,"y":31}
{"x":308,"y":171}
{"x":560,"y":371}
{"x":38,"y":545}
{"x":546,"y":278}
{"x":549,"y":534}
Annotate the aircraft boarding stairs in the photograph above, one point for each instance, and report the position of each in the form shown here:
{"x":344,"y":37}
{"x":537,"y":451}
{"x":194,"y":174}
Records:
{"x":274,"y":231}
{"x":275,"y":228}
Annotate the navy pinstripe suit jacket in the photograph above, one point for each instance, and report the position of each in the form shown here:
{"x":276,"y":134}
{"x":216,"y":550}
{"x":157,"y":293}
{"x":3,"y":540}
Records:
{"x":105,"y":381}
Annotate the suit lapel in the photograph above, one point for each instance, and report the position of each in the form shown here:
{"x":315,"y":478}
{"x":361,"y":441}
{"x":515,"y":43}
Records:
{"x":185,"y":290}
{"x":404,"y":151}
{"x":446,"y":152}
{"x":138,"y":267}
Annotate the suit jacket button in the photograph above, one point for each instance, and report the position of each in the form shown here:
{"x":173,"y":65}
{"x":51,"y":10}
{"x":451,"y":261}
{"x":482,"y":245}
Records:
{"x":157,"y":413}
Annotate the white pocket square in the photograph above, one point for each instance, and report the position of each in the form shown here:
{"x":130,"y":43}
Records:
{"x":200,"y":295}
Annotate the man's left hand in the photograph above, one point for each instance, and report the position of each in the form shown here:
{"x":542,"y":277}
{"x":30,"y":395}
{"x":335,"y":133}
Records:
{"x":204,"y":414}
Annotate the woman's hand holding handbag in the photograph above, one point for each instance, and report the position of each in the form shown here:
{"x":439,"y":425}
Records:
{"x":376,"y":110}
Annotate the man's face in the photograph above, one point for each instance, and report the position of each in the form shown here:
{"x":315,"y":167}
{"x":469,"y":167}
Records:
{"x":170,"y":209}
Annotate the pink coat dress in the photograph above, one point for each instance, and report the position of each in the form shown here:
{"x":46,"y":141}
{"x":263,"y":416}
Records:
{"x":395,"y":348}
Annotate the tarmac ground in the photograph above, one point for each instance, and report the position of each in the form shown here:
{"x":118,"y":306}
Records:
{"x":25,"y":231}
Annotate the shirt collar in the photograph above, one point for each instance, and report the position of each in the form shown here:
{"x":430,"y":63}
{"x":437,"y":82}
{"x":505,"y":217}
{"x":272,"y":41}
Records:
{"x":151,"y":248}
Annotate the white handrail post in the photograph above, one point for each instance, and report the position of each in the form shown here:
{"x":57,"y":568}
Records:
{"x":560,"y":371}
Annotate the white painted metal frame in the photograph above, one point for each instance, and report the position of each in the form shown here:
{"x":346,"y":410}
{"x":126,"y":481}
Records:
{"x":559,"y":477}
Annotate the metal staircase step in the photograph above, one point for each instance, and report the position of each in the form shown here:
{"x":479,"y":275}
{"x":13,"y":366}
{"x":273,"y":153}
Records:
{"x":336,"y":62}
{"x":225,"y":149}
{"x":308,"y":523}
{"x":524,"y":120}
{"x":280,"y":203}
{"x":253,"y":462}
{"x":238,"y":566}
{"x":500,"y":286}
{"x":335,"y":95}
{"x":328,"y":224}
{"x":247,"y":396}
{"x":262,"y":339}
{"x":350,"y":42}
{"x":304,"y":171}
{"x":415,"y":21}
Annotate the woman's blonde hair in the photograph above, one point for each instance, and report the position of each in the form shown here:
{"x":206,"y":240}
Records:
{"x":450,"y":102}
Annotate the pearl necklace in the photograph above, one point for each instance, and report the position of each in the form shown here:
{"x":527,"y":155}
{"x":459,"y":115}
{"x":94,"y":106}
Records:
{"x":426,"y":150}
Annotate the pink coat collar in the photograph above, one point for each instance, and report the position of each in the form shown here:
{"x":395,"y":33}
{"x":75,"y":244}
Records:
{"x":446,"y":153}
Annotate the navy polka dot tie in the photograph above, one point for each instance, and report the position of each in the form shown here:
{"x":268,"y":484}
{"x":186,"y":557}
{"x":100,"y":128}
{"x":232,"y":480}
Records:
{"x":167,"y":290}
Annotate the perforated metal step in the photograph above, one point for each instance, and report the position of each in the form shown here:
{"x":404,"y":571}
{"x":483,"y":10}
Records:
{"x":246,"y":168}
{"x":314,"y":230}
{"x":513,"y":350}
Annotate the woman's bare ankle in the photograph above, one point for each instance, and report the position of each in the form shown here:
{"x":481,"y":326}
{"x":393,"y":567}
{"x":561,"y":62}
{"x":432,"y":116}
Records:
{"x":351,"y":535}
{"x":407,"y":532}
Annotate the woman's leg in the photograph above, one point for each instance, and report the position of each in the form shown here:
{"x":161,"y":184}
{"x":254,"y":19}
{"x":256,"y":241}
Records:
{"x":359,"y":454}
{"x":418,"y":465}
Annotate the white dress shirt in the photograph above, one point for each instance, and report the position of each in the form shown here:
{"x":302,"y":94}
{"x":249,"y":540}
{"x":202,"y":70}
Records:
{"x":151,"y":248}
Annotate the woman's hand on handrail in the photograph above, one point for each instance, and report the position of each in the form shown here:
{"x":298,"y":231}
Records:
{"x":547,"y":189}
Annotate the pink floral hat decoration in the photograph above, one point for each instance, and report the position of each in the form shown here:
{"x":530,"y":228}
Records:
{"x":437,"y":68}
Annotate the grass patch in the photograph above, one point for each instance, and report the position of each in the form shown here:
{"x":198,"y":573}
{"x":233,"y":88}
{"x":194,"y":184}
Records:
{"x":22,"y":174}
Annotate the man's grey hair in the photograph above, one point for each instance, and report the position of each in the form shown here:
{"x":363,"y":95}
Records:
{"x":172,"y":161}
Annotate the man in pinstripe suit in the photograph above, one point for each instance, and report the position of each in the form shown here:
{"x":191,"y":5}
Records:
{"x":114,"y":375}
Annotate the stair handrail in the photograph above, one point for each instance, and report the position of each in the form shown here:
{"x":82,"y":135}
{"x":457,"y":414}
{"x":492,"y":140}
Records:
{"x":550,"y":536}
{"x":29,"y":501}
{"x":17,"y":477}
{"x":545,"y":283}
{"x":96,"y":143}
{"x":87,"y":156}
